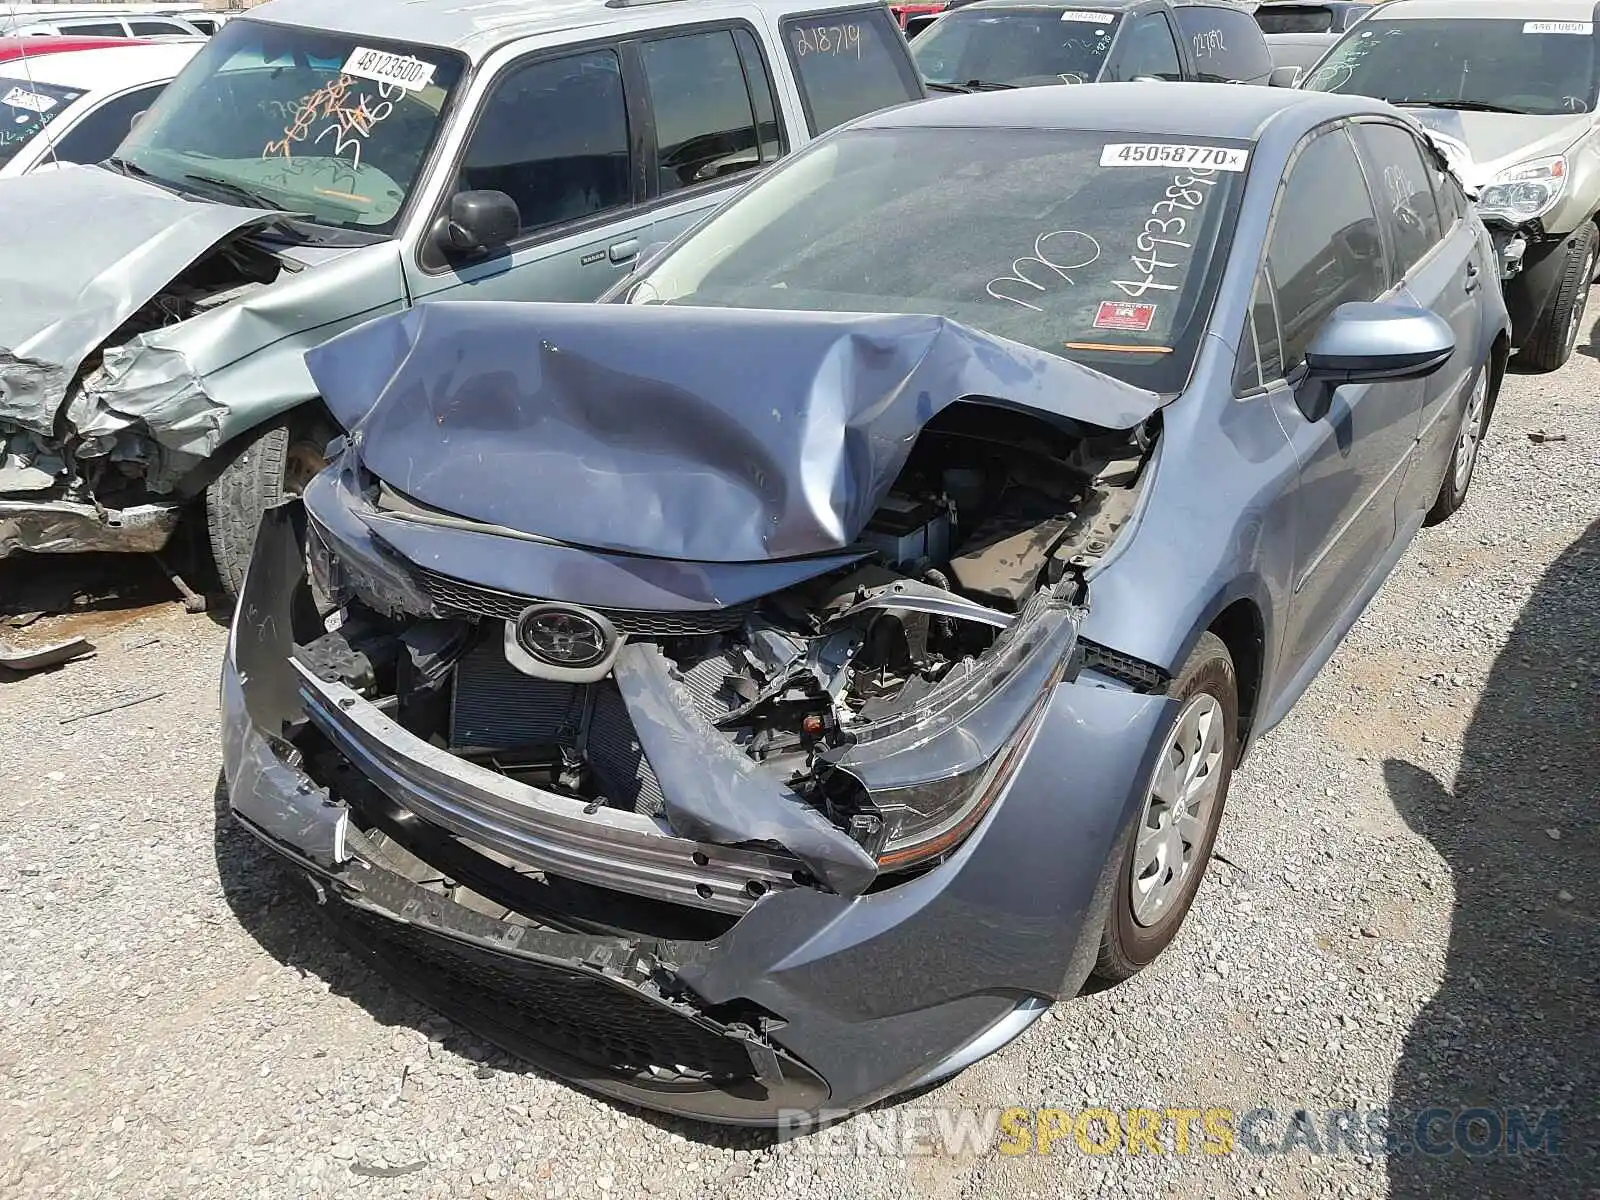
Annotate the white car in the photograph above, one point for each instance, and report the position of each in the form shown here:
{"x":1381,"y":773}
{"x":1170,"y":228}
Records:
{"x":144,"y":21}
{"x":77,"y":106}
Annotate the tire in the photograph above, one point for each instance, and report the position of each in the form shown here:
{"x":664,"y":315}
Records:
{"x":1555,"y":335}
{"x":1464,"y":458}
{"x":1137,"y":928}
{"x":274,"y":466}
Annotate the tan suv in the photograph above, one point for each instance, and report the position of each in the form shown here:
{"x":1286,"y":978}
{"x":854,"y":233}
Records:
{"x":1507,"y":89}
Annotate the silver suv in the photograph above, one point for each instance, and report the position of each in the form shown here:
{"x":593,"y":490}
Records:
{"x":320,"y":163}
{"x":1507,"y":90}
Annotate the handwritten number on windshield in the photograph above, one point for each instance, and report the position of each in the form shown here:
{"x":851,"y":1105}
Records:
{"x":828,"y":39}
{"x":1082,"y":253}
{"x":348,"y":122}
{"x":1183,"y":196}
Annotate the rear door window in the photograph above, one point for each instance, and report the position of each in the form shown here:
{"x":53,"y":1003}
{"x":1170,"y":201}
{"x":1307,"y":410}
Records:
{"x":848,"y":64}
{"x":1225,"y":43}
{"x":158,"y":29}
{"x":705,"y":121}
{"x":93,"y":28}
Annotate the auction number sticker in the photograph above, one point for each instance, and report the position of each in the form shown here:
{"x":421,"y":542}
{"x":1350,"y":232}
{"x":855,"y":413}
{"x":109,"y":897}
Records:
{"x":381,"y":66}
{"x":1093,"y":18}
{"x":1581,"y":28}
{"x":32,"y":101}
{"x":1172,"y":154}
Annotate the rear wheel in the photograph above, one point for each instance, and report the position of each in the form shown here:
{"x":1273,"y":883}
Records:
{"x":1552,"y":340}
{"x":278,"y":463}
{"x":1170,"y":844}
{"x":1464,"y":459}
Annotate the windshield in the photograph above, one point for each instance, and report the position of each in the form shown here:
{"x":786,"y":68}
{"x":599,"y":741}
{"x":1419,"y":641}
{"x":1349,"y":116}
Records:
{"x":1104,"y":248}
{"x":26,"y":108}
{"x":1014,"y":45}
{"x":1512,"y":66}
{"x":332,"y":126}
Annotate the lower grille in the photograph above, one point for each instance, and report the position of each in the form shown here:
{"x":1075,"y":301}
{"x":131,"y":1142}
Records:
{"x":572,"y":1013}
{"x":469,"y":599}
{"x":497,"y":707}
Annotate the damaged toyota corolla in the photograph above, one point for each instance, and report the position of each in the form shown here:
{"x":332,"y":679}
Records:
{"x":770,"y":688}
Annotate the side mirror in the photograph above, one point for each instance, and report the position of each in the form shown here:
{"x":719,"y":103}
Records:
{"x":1371,"y":343}
{"x":133,"y":121}
{"x":1285,"y":77}
{"x":479,"y":222}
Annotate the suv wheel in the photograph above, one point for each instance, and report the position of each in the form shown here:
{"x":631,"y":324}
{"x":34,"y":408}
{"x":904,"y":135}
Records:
{"x":1553,"y":339}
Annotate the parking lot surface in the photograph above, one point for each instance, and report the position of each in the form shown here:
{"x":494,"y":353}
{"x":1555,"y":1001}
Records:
{"x":1403,"y":917}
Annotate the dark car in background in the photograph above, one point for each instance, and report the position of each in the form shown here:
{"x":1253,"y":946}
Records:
{"x":1298,"y":34}
{"x":769,"y":689}
{"x":1027,"y":43}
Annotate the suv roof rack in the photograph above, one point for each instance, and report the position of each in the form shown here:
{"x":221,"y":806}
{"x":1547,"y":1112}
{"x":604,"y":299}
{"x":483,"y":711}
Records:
{"x":637,"y":3}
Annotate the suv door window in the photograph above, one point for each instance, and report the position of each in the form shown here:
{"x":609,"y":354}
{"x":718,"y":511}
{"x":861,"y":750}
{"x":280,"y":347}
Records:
{"x":1326,"y":249}
{"x":848,"y":64}
{"x":93,"y":28}
{"x":705,"y":122}
{"x":158,"y":29}
{"x":1147,"y":49}
{"x":1404,"y":195}
{"x":1260,"y":357}
{"x":97,"y":136}
{"x":553,"y":136}
{"x":1226,"y":43}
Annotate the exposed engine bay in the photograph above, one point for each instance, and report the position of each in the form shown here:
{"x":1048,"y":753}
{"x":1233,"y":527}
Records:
{"x":988,"y":526}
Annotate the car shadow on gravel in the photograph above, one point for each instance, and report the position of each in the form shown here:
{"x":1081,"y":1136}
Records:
{"x":275,"y":907}
{"x":1514,"y":1029}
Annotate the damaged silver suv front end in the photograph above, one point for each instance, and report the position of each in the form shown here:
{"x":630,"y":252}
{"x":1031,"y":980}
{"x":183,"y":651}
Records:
{"x":730,"y":836}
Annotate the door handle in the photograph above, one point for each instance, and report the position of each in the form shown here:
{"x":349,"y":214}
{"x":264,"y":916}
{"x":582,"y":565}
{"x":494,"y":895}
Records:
{"x":623,"y":251}
{"x":1472,"y":276}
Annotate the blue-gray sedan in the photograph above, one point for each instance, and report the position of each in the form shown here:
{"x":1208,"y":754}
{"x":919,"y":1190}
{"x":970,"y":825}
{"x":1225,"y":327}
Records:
{"x":770,"y":689}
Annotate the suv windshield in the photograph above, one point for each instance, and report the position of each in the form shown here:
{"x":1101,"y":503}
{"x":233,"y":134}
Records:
{"x":1014,"y":46}
{"x":1509,"y":66}
{"x":328,"y":125}
{"x":1099,"y":247}
{"x":27,"y":107}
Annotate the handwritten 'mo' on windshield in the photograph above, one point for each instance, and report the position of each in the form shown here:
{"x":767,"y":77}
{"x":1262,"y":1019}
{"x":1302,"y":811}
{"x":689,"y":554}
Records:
{"x":332,"y":111}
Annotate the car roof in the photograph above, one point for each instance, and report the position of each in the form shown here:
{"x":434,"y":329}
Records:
{"x":1505,"y":10}
{"x":1156,"y":109}
{"x":477,"y":27}
{"x":113,"y":68}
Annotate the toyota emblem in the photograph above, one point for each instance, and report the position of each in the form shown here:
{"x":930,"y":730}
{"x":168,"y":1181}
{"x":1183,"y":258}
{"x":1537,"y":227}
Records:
{"x":563,"y":637}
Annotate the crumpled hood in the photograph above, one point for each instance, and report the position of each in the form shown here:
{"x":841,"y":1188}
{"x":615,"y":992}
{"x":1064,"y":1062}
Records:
{"x":1489,"y":143}
{"x":90,"y":249}
{"x":715,"y":435}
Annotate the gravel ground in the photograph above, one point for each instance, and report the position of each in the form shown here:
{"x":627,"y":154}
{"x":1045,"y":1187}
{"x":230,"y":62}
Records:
{"x":1405,"y":915}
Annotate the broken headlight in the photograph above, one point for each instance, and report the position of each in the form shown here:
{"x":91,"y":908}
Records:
{"x":928,"y":775}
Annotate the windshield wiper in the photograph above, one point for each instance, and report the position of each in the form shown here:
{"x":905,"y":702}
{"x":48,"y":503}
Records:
{"x":250,"y":196}
{"x":127,"y":167}
{"x":986,"y":85}
{"x":948,"y":87}
{"x":1462,"y":105}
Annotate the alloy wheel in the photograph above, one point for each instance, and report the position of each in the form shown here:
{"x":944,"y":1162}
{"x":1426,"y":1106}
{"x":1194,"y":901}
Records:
{"x":1471,"y":432}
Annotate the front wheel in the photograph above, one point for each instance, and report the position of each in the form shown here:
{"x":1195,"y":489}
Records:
{"x":1552,"y":340}
{"x":277,"y":463}
{"x":1170,"y":843}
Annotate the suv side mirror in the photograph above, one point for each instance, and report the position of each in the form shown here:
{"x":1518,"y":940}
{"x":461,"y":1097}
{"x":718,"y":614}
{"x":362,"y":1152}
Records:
{"x":1371,"y":343}
{"x":1285,"y":77}
{"x":479,"y":222}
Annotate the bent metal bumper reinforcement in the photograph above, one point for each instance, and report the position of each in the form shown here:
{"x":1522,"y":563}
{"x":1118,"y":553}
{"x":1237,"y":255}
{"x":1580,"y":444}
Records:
{"x":606,"y":847}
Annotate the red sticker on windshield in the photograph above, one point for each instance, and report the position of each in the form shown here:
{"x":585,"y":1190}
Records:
{"x":1124,"y":314}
